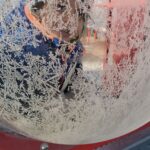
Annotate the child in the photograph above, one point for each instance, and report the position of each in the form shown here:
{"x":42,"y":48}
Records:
{"x":62,"y":22}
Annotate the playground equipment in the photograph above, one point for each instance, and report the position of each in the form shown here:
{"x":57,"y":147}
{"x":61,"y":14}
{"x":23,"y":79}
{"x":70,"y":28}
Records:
{"x":108,"y":103}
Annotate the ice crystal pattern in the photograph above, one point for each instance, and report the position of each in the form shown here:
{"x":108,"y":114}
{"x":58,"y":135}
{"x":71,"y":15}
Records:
{"x":21,"y":81}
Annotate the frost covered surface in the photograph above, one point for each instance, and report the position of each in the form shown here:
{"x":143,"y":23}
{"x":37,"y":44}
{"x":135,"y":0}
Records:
{"x":100,"y":107}
{"x":97,"y":15}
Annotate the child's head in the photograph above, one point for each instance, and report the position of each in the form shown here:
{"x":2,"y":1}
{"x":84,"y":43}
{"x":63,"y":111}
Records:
{"x":63,"y":18}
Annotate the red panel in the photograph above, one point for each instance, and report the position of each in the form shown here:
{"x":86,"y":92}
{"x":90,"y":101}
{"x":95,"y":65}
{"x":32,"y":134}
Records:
{"x":9,"y":142}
